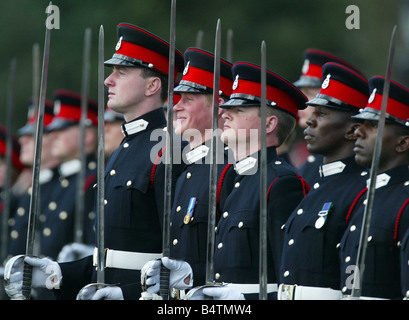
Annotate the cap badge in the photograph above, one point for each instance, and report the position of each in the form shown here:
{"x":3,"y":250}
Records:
{"x":118,"y":44}
{"x":325,"y":83}
{"x":57,"y":107}
{"x":236,"y":82}
{"x":186,"y":68}
{"x":372,"y":96}
{"x":305,"y":66}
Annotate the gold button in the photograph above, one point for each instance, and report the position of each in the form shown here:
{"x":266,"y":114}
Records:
{"x":316,"y":185}
{"x":291,"y":242}
{"x":21,"y":211}
{"x":14,"y":234}
{"x":188,"y":175}
{"x":241,"y":224}
{"x":225,"y":214}
{"x":63,"y":215}
{"x":52,"y":205}
{"x":220,"y":245}
{"x":175,"y":242}
{"x":105,"y":202}
{"x":300,"y":211}
{"x":286,"y":273}
{"x":126,"y":145}
{"x":65,"y":183}
{"x":352,"y":228}
{"x":128,"y":183}
{"x":47,"y":232}
{"x":237,"y":185}
{"x":217,"y":276}
{"x":178,"y":208}
{"x":112,"y":172}
{"x":347,"y":259}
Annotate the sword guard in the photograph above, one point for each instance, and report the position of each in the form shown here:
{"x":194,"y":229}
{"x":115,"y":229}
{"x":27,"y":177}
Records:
{"x":84,"y":292}
{"x":197,"y":292}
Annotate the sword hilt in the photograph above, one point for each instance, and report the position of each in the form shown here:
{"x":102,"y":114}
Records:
{"x":27,"y":278}
{"x":164,"y":282}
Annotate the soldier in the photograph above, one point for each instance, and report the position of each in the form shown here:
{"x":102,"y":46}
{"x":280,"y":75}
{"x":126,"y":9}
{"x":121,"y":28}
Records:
{"x":390,"y":213}
{"x":113,"y":131}
{"x":134,"y":180}
{"x":193,"y":121}
{"x":236,"y":257}
{"x":58,"y":222}
{"x":310,"y":83}
{"x":310,"y":264}
{"x":48,"y":178}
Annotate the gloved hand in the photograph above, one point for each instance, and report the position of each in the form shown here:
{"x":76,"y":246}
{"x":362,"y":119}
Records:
{"x":93,"y":292}
{"x":150,"y":296}
{"x":180,"y":277}
{"x":223,"y":293}
{"x":74,"y":251}
{"x":46,"y":273}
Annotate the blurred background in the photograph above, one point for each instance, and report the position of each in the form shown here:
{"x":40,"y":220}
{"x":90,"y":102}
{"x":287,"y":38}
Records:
{"x":288,"y":27}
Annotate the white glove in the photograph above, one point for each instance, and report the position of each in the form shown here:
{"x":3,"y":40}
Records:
{"x":93,"y":292}
{"x":150,"y":296}
{"x":223,"y":293}
{"x":180,"y":272}
{"x":45,"y":274}
{"x":74,"y":251}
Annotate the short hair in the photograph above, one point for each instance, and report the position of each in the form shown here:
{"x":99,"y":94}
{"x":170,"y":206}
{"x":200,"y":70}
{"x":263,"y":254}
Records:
{"x":286,"y":123}
{"x":147,"y":73}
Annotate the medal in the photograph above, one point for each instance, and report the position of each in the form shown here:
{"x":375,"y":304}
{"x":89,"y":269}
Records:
{"x":322,"y":215}
{"x":190,"y":208}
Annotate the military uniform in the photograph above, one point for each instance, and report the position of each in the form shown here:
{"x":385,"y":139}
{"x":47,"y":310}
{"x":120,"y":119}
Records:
{"x":134,"y":181}
{"x":189,"y":214}
{"x":311,"y":78}
{"x":310,"y":264}
{"x":390,"y":213}
{"x":236,"y":257}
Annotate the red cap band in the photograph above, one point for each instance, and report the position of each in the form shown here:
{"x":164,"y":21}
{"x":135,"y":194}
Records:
{"x":340,"y":91}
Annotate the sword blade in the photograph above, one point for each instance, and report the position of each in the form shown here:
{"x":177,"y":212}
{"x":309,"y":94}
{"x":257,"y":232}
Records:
{"x":80,"y":196}
{"x":164,"y":276}
{"x":34,"y":201}
{"x":263,"y":180}
{"x":366,"y":220}
{"x":101,"y":161}
{"x":213,"y":163}
{"x":8,"y":157}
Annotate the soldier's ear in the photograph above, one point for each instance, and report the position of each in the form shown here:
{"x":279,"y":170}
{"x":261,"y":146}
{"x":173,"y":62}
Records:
{"x":350,"y":133}
{"x":154,"y":85}
{"x":403,"y":144}
{"x":271,"y":123}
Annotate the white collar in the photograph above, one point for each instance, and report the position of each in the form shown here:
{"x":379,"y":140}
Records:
{"x":134,"y":127}
{"x":70,"y":167}
{"x":244,"y":165}
{"x":45,"y":175}
{"x":197,"y":153}
{"x":381,"y":180}
{"x":332,"y":168}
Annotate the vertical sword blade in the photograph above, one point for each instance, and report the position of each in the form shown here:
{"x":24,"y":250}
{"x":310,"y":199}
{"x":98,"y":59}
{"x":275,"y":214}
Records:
{"x":213,"y":162}
{"x":366,"y":219}
{"x":263,"y":180}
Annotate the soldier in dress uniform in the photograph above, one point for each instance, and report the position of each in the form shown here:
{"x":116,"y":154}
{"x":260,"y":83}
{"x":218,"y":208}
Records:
{"x":193,"y":121}
{"x":390,"y":212}
{"x":58,"y":221}
{"x":113,"y":131}
{"x":310,"y":264}
{"x":48,"y":178}
{"x":236,"y":257}
{"x":310,"y":84}
{"x":134,"y":179}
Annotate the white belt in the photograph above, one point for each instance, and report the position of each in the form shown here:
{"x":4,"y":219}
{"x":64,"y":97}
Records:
{"x":247,"y":288}
{"x":296,"y":292}
{"x":125,"y":259}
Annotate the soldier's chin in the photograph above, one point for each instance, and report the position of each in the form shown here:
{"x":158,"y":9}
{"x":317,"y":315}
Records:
{"x":228,"y":135}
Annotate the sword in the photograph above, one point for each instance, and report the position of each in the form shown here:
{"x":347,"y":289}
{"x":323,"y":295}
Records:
{"x":34,"y":201}
{"x":8,"y":156}
{"x":213,"y":163}
{"x":164,"y":273}
{"x":79,"y":204}
{"x":199,"y":39}
{"x":366,"y":220}
{"x":263,"y":180}
{"x":101,"y":162}
{"x":229,"y":47}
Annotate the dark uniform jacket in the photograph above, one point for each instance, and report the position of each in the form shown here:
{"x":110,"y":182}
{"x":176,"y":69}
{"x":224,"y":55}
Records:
{"x":311,"y":234}
{"x":389,"y":222}
{"x":55,"y":225}
{"x":405,"y":265}
{"x":190,"y":210}
{"x":134,"y":193}
{"x":236,"y":257}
